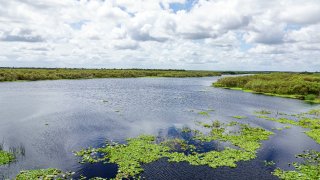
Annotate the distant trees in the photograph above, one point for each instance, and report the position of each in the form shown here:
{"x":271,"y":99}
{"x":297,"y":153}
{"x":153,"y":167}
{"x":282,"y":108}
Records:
{"x":33,"y":74}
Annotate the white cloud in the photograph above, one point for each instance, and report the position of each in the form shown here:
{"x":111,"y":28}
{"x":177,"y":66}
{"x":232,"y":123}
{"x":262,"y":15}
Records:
{"x":212,"y":34}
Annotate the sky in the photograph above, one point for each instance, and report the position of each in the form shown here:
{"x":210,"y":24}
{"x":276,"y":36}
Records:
{"x":275,"y":35}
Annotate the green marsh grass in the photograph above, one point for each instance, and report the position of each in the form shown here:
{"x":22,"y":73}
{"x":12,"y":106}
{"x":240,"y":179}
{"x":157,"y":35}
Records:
{"x":288,"y":85}
{"x":34,"y":74}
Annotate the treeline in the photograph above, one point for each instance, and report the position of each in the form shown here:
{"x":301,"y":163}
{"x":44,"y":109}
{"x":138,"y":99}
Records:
{"x":307,"y":85}
{"x":34,"y":74}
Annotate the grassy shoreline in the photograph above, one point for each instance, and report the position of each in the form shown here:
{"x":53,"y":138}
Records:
{"x":296,"y":96}
{"x":288,"y":85}
{"x":33,"y":74}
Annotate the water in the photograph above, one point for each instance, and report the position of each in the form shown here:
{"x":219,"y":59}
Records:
{"x":48,"y":120}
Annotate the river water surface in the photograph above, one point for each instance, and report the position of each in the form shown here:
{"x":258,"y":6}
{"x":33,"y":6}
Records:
{"x":46,"y":121}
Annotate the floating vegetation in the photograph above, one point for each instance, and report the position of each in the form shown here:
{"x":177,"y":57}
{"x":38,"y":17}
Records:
{"x":314,"y":134}
{"x":213,"y":159}
{"x":308,"y":170}
{"x":239,"y":117}
{"x":315,"y":112}
{"x":247,"y":138}
{"x":41,"y":174}
{"x":5,"y":157}
{"x":145,"y":149}
{"x":312,"y":122}
{"x":262,"y":112}
{"x":129,"y":157}
{"x":268,"y":163}
{"x":186,"y":130}
{"x":204,"y":113}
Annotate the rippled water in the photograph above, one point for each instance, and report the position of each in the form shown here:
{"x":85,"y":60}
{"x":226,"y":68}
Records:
{"x":47,"y":120}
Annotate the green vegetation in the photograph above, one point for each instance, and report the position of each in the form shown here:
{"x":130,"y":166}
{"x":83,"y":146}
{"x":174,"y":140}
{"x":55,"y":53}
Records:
{"x":204,"y":113}
{"x":33,"y":74}
{"x":314,"y":134}
{"x":309,"y":169}
{"x":311,"y":122}
{"x":247,"y":138}
{"x":239,"y":117}
{"x":5,"y":157}
{"x":40,"y":174}
{"x":290,"y":85}
{"x":129,"y":157}
{"x":269,"y":163}
{"x":144,"y":149}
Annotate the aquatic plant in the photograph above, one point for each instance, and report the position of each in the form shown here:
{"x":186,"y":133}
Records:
{"x":311,"y":122}
{"x":40,"y":174}
{"x":144,"y":149}
{"x":129,"y":157}
{"x":5,"y":157}
{"x":262,"y":112}
{"x":280,"y":120}
{"x":239,"y":117}
{"x":315,"y":112}
{"x":185,"y":130}
{"x":248,"y":138}
{"x":314,"y":134}
{"x":213,"y":159}
{"x":307,"y":170}
{"x":268,"y":163}
{"x":177,"y":144}
{"x":204,"y":113}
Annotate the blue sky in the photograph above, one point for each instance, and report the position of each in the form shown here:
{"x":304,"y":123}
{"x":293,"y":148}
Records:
{"x":183,"y":6}
{"x":183,"y":34}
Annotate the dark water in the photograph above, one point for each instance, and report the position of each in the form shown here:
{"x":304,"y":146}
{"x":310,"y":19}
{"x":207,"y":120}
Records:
{"x":45,"y":121}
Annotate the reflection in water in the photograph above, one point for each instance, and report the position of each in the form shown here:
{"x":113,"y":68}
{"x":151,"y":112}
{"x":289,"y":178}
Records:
{"x":54,"y":118}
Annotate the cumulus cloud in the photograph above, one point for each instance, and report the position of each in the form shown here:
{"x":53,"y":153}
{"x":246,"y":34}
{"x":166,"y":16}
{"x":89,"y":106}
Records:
{"x":191,"y":34}
{"x":22,"y":35}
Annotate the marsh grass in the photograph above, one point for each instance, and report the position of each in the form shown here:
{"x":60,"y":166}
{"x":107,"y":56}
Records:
{"x":289,"y":85}
{"x":34,"y":74}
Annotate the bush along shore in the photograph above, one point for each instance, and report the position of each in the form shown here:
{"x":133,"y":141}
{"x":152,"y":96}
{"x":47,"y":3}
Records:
{"x":33,"y":74}
{"x":304,"y":86}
